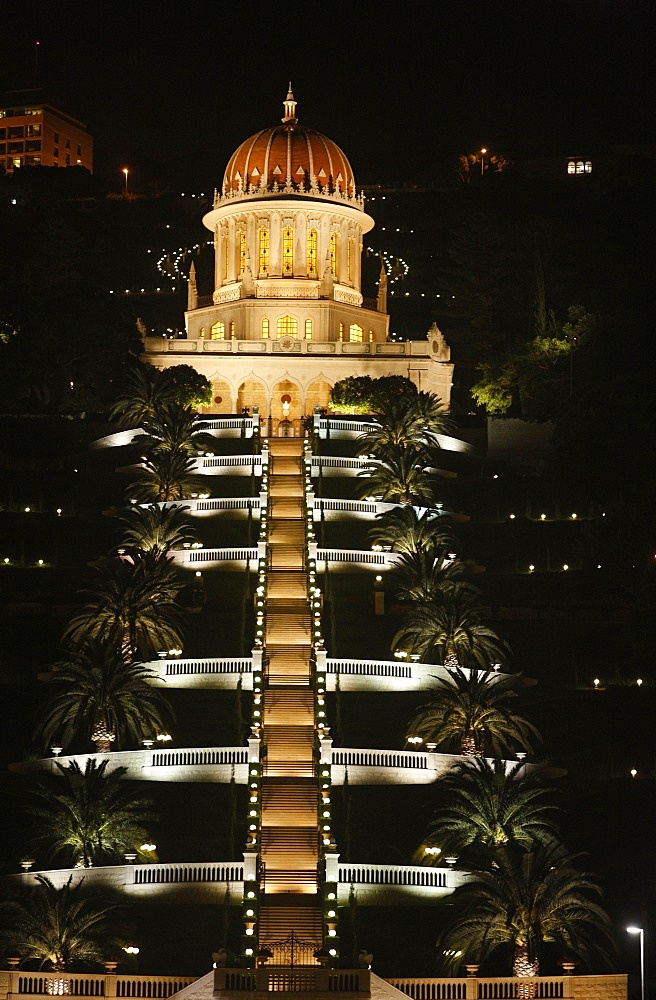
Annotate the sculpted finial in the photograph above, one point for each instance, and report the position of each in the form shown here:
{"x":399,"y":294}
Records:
{"x":289,"y":105}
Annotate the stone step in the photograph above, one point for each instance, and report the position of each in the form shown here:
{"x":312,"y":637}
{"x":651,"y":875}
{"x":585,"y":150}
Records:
{"x":290,"y":883}
{"x":276,"y":922}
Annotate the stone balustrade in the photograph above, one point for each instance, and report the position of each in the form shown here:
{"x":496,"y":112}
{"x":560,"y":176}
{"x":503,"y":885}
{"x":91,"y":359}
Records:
{"x":223,"y":559}
{"x":351,"y":430}
{"x":284,"y":979}
{"x":217,"y":764}
{"x":474,"y":987}
{"x":213,"y":672}
{"x":351,"y":559}
{"x":180,"y":882}
{"x":17,"y":982}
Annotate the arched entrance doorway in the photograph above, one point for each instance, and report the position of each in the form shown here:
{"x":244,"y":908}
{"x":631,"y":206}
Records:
{"x":252,"y":393}
{"x":318,"y":394}
{"x":285,"y":409}
{"x":221,"y":397}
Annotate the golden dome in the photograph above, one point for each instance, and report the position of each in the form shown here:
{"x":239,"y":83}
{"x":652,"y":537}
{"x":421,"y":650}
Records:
{"x":289,"y":158}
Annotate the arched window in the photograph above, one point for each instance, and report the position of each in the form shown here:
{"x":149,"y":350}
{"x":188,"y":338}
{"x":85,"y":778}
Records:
{"x":265,"y":329}
{"x":242,"y":252}
{"x":263,"y":251}
{"x":308,"y":329}
{"x":571,"y":167}
{"x":287,"y":326}
{"x":349,"y":259}
{"x":333,"y":254}
{"x":218,"y":331}
{"x":224,"y":252}
{"x":201,"y":333}
{"x":312,"y":253}
{"x":371,"y":336}
{"x":341,"y":331}
{"x":287,"y":252}
{"x":588,"y":166}
{"x":232,"y":329}
{"x":355,"y":333}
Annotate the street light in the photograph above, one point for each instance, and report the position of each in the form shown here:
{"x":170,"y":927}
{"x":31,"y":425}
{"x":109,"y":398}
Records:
{"x":641,"y":932}
{"x":125,"y":171}
{"x":483,"y":152}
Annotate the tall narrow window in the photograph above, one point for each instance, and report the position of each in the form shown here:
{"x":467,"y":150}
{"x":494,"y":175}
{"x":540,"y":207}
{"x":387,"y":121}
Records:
{"x":308,"y":329}
{"x":201,"y":333}
{"x":371,"y":336}
{"x":312,"y":253}
{"x":349,"y":260}
{"x":264,"y":251}
{"x":242,"y":252}
{"x":265,"y":329}
{"x":355,"y":333}
{"x":232,"y":329}
{"x":218,"y":331}
{"x":333,"y":254}
{"x":224,"y":253}
{"x":287,"y":252}
{"x":341,"y":331}
{"x":287,"y":326}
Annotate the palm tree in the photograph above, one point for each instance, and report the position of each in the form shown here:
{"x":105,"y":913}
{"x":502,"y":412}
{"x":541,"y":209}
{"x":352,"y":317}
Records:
{"x":472,"y":714}
{"x":526,"y":899}
{"x":98,"y":695}
{"x":166,"y":477}
{"x":61,"y":927}
{"x":157,"y":528}
{"x":405,"y":421}
{"x":90,"y":815}
{"x":175,"y":429}
{"x":406,"y":530}
{"x":452,"y":630}
{"x":137,"y":599}
{"x":488,"y":803}
{"x":421,"y":576}
{"x":400,"y":476}
{"x":147,"y":389}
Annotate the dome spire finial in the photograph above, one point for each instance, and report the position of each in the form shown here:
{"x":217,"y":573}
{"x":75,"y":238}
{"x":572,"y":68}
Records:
{"x":289,"y":105}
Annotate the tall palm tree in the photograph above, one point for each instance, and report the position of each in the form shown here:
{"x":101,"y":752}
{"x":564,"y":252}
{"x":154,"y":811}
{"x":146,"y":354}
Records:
{"x":157,"y":528}
{"x":488,"y":803}
{"x":175,"y":429}
{"x":399,"y":477}
{"x":527,"y":899}
{"x":165,"y":477}
{"x":422,"y":575}
{"x":472,"y":713}
{"x":60,"y":928}
{"x":98,"y":695}
{"x":137,"y":599}
{"x":147,"y":389}
{"x":406,"y":530}
{"x":452,"y":630}
{"x":89,"y":815}
{"x":406,"y":421}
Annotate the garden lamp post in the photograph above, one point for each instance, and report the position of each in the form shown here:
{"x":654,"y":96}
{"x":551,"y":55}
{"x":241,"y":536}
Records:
{"x":641,"y":932}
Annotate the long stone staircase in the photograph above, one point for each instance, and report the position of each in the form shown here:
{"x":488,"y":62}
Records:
{"x":290,"y":908}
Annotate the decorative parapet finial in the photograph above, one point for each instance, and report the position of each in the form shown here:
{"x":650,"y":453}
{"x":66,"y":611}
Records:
{"x":289,"y":105}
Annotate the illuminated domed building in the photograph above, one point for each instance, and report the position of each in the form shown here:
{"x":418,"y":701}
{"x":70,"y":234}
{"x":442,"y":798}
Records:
{"x":287,"y":318}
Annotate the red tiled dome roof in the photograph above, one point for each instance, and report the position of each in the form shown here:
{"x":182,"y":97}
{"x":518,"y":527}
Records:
{"x":289,"y":154}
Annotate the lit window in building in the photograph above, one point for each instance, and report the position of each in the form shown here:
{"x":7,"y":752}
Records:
{"x":333,"y":254}
{"x":355,"y":333}
{"x":224,"y":253}
{"x":287,"y":326}
{"x":232,"y":329}
{"x":349,"y":260}
{"x":201,"y":333}
{"x":218,"y":331}
{"x":287,"y":251}
{"x":312,"y":253}
{"x":341,"y":331}
{"x":579,"y":166}
{"x":264,"y":251}
{"x":55,"y":153}
{"x":265,"y":329}
{"x":308,"y":329}
{"x":371,"y":336}
{"x":242,"y":252}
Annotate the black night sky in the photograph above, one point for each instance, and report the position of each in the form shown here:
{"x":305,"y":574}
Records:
{"x":397,"y":85}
